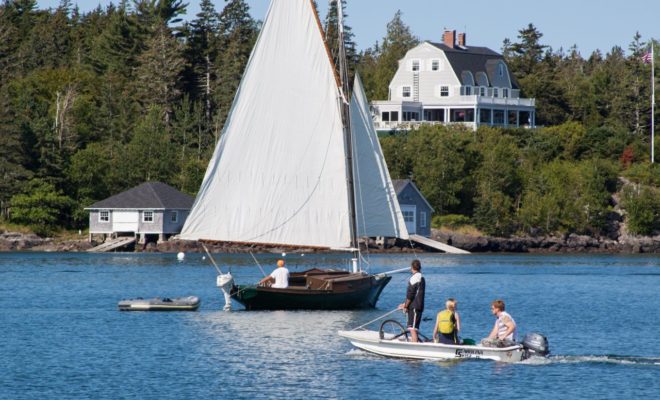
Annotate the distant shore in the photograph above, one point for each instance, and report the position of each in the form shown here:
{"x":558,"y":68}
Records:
{"x":625,"y":244}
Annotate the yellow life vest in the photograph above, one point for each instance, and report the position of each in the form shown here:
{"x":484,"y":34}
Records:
{"x":446,"y":322}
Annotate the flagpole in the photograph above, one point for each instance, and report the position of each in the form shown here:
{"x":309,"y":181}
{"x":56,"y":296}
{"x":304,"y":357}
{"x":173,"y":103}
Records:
{"x":652,"y":103}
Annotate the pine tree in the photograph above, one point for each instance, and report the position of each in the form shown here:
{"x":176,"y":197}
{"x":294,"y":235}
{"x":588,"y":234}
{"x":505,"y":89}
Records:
{"x":238,"y":32}
{"x":159,"y":73}
{"x":331,"y":27}
{"x":396,"y":43}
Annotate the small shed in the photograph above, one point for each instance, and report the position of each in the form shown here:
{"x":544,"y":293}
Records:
{"x":152,"y":211}
{"x":417,"y":211}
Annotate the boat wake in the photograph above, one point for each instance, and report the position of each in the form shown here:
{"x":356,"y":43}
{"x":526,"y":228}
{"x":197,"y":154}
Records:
{"x":594,"y":359}
{"x":587,"y":359}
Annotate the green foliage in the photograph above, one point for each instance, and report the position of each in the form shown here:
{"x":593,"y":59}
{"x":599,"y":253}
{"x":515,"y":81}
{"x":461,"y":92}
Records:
{"x":568,"y":197}
{"x":644,"y":173}
{"x":40,"y":206}
{"x":642,"y":205}
{"x":452,"y":221}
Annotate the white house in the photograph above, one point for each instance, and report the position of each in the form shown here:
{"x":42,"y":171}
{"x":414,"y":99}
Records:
{"x":450,"y":82}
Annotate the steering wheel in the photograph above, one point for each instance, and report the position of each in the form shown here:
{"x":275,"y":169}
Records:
{"x":393,"y":330}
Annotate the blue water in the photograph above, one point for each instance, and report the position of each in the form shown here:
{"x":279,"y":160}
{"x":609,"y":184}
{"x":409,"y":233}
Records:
{"x":63,"y":337}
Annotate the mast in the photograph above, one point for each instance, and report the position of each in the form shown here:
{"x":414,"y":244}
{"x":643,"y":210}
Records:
{"x":346,"y":116}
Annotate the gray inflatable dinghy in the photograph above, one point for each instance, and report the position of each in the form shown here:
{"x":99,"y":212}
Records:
{"x":189,"y":303}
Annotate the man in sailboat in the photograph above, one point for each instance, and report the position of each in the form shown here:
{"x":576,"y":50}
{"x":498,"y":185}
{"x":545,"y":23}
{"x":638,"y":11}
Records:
{"x":414,"y":304}
{"x":279,"y":278}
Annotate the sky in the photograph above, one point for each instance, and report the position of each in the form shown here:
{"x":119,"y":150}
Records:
{"x":589,"y":24}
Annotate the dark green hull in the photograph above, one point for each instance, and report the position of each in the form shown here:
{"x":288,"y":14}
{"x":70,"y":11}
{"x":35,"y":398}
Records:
{"x":344,"y":293}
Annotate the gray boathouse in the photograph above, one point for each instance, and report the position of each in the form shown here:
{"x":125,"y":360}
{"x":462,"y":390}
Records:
{"x":150,"y":212}
{"x":417,"y":211}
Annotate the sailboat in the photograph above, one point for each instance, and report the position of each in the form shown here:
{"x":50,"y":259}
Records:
{"x":299,"y":165}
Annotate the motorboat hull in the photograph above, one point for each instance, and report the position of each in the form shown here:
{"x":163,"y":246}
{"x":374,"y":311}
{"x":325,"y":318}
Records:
{"x":370,"y":341}
{"x":315,"y":290}
{"x":189,"y":303}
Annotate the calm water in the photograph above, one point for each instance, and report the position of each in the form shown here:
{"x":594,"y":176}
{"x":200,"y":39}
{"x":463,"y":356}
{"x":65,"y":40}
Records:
{"x":63,"y":337}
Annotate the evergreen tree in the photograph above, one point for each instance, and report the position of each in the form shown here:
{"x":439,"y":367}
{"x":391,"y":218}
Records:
{"x":159,"y":73}
{"x":203,"y":48}
{"x":238,"y":32}
{"x":331,"y":27}
{"x":396,"y":43}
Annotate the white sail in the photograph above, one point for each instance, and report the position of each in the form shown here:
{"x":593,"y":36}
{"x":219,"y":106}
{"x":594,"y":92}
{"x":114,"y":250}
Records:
{"x":377,"y":208}
{"x":278,"y":174}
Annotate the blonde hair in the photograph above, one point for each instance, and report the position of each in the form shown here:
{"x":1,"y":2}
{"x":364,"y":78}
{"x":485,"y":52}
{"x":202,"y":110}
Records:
{"x":451,"y":304}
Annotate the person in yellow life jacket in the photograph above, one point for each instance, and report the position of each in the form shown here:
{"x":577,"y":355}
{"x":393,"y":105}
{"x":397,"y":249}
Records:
{"x":447,"y":324}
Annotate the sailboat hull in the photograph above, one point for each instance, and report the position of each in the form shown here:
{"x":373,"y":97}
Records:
{"x":336,"y":290}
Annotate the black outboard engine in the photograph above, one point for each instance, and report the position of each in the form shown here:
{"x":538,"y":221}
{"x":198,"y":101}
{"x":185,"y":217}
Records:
{"x":535,"y":344}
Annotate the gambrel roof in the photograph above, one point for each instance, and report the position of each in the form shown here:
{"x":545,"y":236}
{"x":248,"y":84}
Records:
{"x":474,"y":59}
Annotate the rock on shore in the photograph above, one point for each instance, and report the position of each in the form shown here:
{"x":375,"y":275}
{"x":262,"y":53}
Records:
{"x":571,"y":243}
{"x":625,"y":244}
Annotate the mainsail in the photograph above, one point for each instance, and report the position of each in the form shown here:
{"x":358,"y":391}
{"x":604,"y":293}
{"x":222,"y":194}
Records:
{"x":279,"y":173}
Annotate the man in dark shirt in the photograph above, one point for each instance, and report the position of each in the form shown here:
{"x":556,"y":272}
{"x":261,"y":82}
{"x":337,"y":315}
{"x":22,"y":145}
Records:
{"x":414,"y":304}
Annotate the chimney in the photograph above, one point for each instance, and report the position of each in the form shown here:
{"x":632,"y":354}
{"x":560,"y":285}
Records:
{"x":449,"y":38}
{"x":461,"y":39}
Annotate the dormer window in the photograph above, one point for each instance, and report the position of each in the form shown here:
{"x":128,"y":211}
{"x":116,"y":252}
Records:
{"x":505,"y":92}
{"x":500,"y":69}
{"x":405,"y":92}
{"x":435,"y":65}
{"x":415,"y":65}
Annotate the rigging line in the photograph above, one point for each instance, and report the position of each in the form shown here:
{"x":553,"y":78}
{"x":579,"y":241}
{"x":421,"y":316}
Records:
{"x":255,"y":260}
{"x":211,"y":258}
{"x":374,"y":320}
{"x":356,"y":163}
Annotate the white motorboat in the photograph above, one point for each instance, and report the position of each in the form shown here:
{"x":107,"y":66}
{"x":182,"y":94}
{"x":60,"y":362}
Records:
{"x":392,"y":341}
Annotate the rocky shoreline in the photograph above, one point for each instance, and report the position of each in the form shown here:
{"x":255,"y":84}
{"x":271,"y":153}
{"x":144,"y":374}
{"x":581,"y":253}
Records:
{"x":624,"y":244}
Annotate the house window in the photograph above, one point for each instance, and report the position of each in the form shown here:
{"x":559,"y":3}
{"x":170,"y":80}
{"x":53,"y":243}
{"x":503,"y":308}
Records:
{"x":148,"y":216}
{"x":505,"y":92}
{"x":422,"y":219}
{"x":408,"y":216}
{"x":435,"y":65}
{"x":415,"y":65}
{"x":496,"y":92}
{"x":394,"y":116}
{"x":482,"y":91}
{"x":385,"y":116}
{"x":498,"y":116}
{"x":175,"y":216}
{"x":104,"y":216}
{"x":406,"y":91}
{"x":468,"y":90}
{"x":444,"y":91}
{"x":501,"y":69}
{"x":410,"y":116}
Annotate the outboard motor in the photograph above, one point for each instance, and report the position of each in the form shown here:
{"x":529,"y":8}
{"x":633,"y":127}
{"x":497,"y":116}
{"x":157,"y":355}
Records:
{"x":225,"y":282}
{"x":535,"y":344}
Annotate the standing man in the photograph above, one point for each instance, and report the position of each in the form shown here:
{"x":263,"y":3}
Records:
{"x":414,"y":304}
{"x":504,"y":330}
{"x":280,"y":277}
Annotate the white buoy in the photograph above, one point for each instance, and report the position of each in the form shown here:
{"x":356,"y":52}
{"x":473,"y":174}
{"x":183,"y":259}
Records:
{"x":283,"y":254}
{"x":180,"y":256}
{"x":203,"y":258}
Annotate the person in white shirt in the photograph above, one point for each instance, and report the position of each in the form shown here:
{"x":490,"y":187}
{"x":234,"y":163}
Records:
{"x":278,"y":279}
{"x":504,"y":330}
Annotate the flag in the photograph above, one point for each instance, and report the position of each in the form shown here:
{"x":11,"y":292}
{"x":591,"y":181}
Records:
{"x":647,"y":57}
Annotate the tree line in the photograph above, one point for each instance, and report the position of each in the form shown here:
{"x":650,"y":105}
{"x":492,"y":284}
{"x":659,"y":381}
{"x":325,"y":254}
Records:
{"x":94,"y":103}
